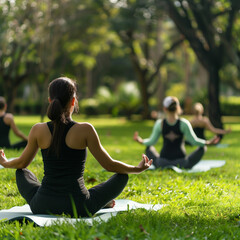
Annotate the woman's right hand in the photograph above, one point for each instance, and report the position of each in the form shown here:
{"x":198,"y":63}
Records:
{"x":137,"y":138}
{"x":145,"y":163}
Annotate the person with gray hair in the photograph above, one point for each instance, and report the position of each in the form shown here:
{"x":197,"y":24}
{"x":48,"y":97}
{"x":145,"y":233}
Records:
{"x":6,"y":124}
{"x":174,"y":129}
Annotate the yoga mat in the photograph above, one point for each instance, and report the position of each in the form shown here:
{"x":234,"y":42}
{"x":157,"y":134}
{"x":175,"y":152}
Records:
{"x":222,"y":145}
{"x":201,"y":166}
{"x":24,"y":212}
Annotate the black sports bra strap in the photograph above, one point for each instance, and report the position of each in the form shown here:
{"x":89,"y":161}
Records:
{"x":50,"y":126}
{"x":68,"y":126}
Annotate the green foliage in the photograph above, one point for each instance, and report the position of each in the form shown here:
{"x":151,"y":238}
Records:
{"x":128,"y":98}
{"x":197,"y":206}
{"x":27,"y":107}
{"x":230,"y":106}
{"x":89,"y":106}
{"x":201,"y":96}
{"x":126,"y":101}
{"x":178,"y":90}
{"x":106,"y":100}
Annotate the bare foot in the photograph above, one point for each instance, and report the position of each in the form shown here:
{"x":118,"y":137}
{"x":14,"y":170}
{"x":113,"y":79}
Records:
{"x":110,"y":204}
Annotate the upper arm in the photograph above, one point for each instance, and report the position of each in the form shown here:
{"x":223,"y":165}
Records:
{"x":31,"y":149}
{"x":12,"y":123}
{"x":209,"y":125}
{"x":94,"y":145}
{"x":156,"y":132}
{"x":189,"y":134}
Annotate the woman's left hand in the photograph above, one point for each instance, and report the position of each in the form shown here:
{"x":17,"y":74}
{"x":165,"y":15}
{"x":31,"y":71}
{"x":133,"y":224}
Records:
{"x":137,"y":138}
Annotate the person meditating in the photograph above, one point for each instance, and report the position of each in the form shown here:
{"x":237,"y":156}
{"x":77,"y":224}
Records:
{"x":174,"y":129}
{"x":201,"y":123}
{"x":63,"y":143}
{"x":7,"y":123}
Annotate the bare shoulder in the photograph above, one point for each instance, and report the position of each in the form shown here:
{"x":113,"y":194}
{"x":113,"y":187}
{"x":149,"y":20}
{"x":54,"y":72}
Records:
{"x":206,"y":119}
{"x":9,"y":115}
{"x":39,"y":127}
{"x":84,"y":125}
{"x":8,"y":118}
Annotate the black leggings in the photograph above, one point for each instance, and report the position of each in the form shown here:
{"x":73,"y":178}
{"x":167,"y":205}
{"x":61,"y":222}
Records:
{"x":188,"y":162}
{"x":99,"y":195}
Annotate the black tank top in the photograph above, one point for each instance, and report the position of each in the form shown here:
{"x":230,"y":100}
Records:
{"x":173,"y":145}
{"x":4,"y":133}
{"x":199,"y":131}
{"x":64,"y":175}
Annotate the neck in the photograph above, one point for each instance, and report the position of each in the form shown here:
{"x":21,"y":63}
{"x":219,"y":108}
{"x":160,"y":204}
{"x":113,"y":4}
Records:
{"x":2,"y":112}
{"x":69,"y":115}
{"x":198,"y":115}
{"x":172,"y":117}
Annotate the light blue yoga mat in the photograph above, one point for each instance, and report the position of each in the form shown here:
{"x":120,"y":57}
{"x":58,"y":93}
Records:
{"x":24,"y":212}
{"x":201,"y":166}
{"x":222,"y":145}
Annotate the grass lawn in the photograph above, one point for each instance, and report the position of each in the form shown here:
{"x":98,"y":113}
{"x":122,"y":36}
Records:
{"x":198,"y":205}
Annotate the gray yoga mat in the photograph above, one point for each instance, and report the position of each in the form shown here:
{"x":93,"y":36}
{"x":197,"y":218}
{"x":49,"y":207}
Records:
{"x":202,"y":166}
{"x":24,"y":212}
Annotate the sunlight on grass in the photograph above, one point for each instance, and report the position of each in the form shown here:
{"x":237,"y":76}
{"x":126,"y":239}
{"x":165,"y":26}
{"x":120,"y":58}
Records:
{"x":198,"y":206}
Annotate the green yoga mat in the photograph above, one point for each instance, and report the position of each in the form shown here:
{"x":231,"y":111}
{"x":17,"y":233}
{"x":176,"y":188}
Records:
{"x":19,"y":213}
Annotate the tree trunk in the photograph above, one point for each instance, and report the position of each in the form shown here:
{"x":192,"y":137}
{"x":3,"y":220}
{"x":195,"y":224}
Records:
{"x":213,"y":95}
{"x":141,"y":75}
{"x":10,"y":93}
{"x":145,"y":95}
{"x":10,"y":100}
{"x":44,"y":97}
{"x":89,"y":83}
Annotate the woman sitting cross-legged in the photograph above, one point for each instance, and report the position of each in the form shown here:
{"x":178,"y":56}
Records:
{"x":63,"y":145}
{"x":201,"y":123}
{"x":174,"y":129}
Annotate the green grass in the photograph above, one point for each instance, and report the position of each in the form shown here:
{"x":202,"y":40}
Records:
{"x":198,"y":206}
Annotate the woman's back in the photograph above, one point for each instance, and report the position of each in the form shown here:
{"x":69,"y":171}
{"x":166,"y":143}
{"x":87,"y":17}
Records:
{"x":63,"y":174}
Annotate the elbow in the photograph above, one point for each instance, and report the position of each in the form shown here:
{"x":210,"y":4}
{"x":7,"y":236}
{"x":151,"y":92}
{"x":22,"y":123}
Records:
{"x":21,"y":165}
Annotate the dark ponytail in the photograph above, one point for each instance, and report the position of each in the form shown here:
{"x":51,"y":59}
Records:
{"x":61,"y":92}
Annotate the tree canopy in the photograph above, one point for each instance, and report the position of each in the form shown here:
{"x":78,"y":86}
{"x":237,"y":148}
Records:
{"x":105,"y":43}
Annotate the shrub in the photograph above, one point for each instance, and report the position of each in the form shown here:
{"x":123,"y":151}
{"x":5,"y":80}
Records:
{"x":89,"y":106}
{"x":128,"y":99}
{"x":106,"y":100}
{"x":230,"y":106}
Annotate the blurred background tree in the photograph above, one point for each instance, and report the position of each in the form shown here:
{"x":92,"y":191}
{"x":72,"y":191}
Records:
{"x":140,"y":26}
{"x":210,"y":28}
{"x":185,"y":48}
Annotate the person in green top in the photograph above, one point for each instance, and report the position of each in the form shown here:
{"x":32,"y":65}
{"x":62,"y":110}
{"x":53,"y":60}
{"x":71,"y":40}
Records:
{"x":174,"y":131}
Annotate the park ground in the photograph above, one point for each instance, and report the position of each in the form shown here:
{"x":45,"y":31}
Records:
{"x":197,"y":205}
